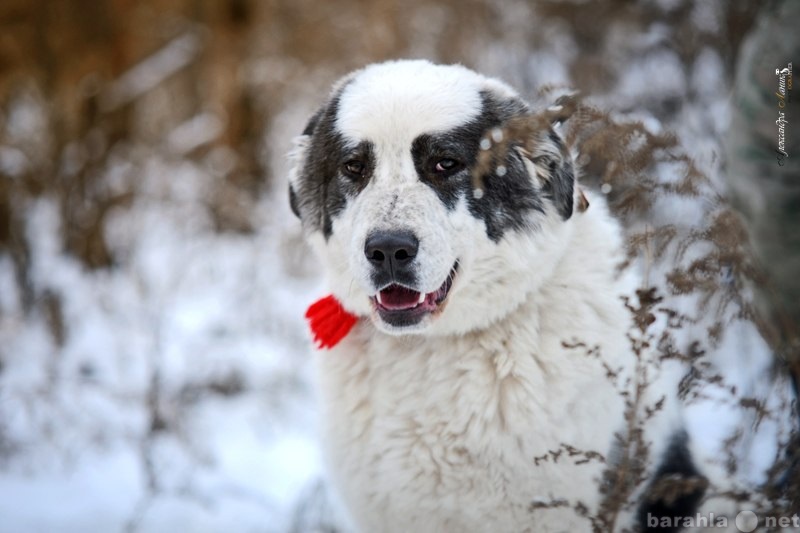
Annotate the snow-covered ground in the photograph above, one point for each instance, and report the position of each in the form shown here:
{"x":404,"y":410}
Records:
{"x":178,"y":397}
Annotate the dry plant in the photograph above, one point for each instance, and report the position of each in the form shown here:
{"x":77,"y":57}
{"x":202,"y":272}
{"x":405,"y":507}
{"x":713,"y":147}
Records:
{"x":705,"y":260}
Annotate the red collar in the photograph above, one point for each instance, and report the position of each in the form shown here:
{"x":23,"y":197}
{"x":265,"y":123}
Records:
{"x":329,"y":322}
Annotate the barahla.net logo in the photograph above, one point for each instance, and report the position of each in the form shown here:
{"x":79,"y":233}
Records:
{"x":745,"y":521}
{"x":784,"y":95}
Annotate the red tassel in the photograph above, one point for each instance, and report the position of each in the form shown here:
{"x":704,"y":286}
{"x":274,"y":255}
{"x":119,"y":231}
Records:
{"x":329,"y":322}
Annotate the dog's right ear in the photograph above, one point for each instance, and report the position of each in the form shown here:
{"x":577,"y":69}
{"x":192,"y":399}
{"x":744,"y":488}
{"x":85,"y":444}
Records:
{"x":297,"y":158}
{"x":312,"y":123}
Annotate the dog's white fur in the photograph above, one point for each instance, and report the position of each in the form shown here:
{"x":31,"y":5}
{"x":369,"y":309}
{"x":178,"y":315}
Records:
{"x":481,"y":419}
{"x":441,"y":433}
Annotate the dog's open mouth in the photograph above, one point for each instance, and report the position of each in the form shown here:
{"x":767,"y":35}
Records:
{"x":401,"y":306}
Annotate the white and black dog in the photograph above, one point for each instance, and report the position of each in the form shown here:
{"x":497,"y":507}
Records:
{"x":492,"y":372}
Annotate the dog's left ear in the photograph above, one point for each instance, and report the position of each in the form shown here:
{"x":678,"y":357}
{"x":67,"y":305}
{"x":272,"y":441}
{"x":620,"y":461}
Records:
{"x":297,"y":159}
{"x":555,"y":171}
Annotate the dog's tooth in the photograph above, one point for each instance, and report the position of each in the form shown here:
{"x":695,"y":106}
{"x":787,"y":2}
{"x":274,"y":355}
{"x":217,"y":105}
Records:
{"x":421,"y":298}
{"x":378,"y":297}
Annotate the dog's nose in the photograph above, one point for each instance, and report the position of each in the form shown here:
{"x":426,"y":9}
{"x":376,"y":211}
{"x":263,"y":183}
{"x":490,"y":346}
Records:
{"x":391,"y":251}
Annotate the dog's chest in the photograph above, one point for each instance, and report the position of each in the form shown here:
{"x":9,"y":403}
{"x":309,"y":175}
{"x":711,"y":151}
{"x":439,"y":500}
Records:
{"x":474,"y":429}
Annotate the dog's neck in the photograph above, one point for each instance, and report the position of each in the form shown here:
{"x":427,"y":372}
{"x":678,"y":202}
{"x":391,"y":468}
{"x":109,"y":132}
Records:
{"x":588,"y":269}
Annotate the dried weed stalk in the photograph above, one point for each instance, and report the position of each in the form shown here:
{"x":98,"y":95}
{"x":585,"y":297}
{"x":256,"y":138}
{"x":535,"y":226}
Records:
{"x":706,"y":260}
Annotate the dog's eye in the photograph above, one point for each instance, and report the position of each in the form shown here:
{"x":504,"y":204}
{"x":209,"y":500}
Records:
{"x":354,"y":168}
{"x":446,"y":165}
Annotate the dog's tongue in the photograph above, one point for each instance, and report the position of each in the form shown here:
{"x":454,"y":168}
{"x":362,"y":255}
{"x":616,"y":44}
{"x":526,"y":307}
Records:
{"x":396,"y":297}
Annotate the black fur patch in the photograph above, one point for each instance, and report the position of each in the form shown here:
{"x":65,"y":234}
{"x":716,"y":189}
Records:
{"x":508,"y":199}
{"x":675,"y":491}
{"x":323,"y":186}
{"x":312,"y":123}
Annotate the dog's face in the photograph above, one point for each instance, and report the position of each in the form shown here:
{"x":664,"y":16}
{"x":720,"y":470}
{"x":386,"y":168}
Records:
{"x":382,"y":181}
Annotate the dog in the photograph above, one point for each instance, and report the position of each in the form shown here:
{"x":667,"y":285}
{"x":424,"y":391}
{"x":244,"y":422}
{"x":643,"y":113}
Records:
{"x":492,"y":379}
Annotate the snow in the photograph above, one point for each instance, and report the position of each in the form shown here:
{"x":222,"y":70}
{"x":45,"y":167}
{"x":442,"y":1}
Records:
{"x":9,"y":292}
{"x":92,"y":494}
{"x":203,"y":327}
{"x":658,"y":75}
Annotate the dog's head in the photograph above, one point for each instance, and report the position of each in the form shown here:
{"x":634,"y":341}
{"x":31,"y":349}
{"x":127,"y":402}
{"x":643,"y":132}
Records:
{"x":382,"y":180}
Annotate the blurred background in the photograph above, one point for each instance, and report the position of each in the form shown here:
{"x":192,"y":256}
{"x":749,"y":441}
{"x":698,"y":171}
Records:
{"x":154,"y":365}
